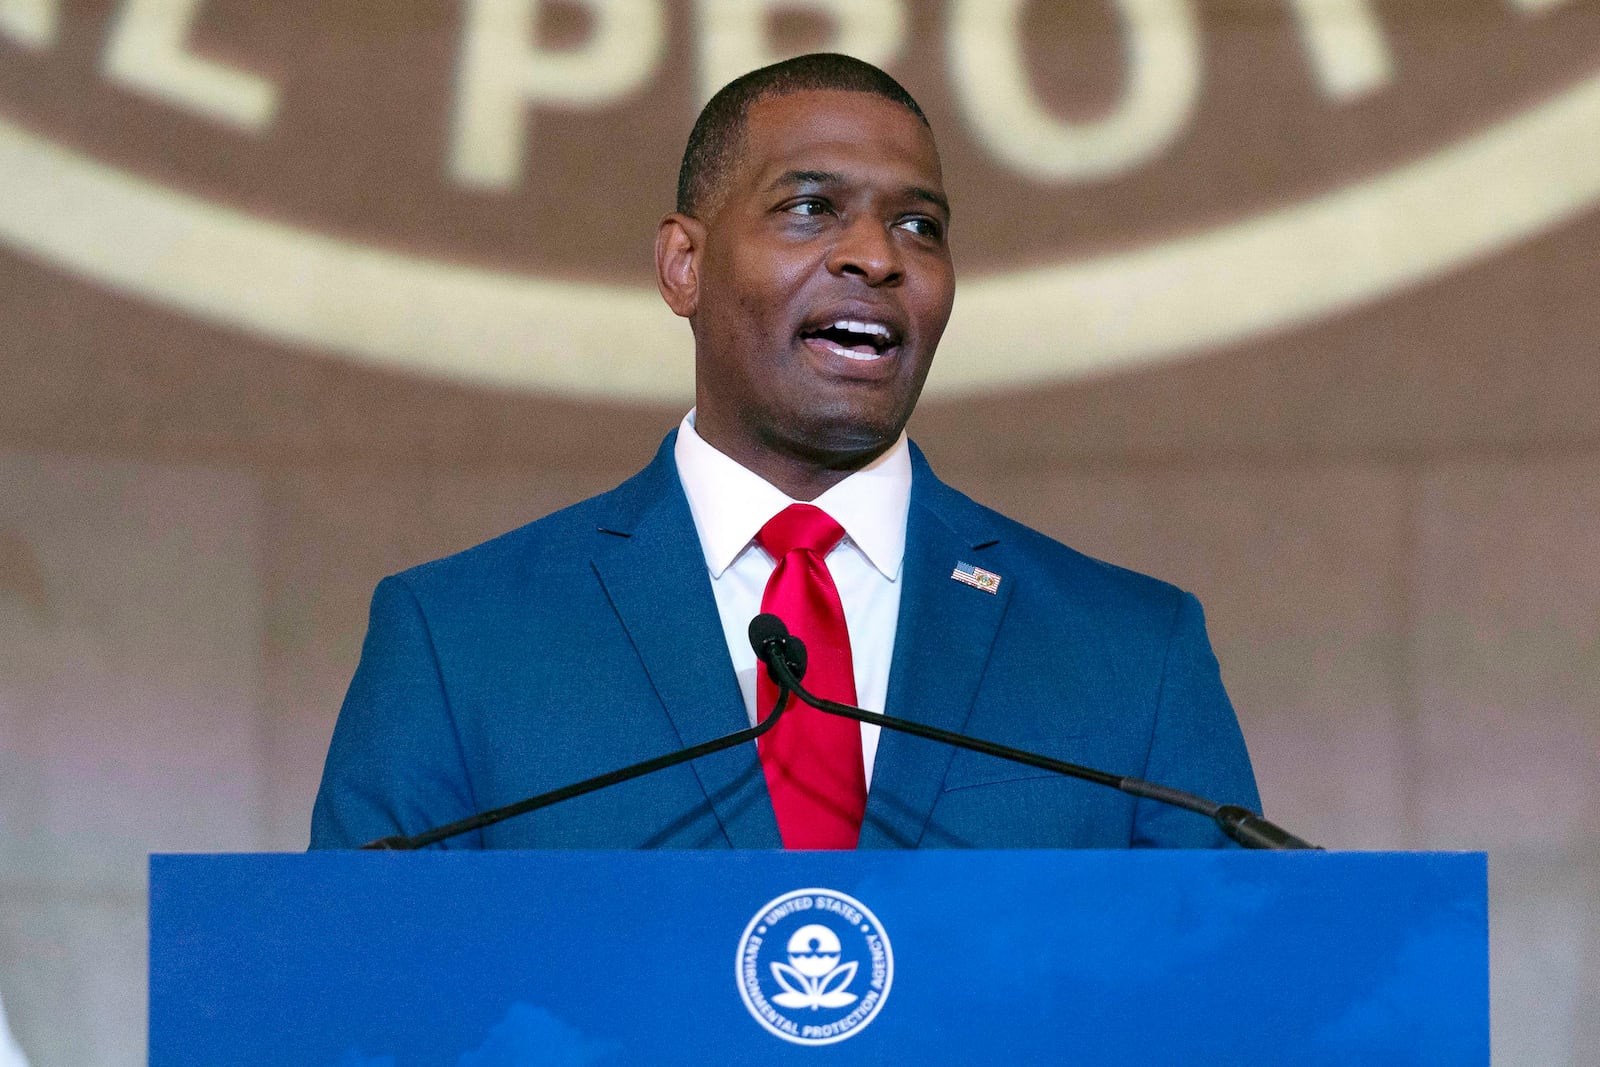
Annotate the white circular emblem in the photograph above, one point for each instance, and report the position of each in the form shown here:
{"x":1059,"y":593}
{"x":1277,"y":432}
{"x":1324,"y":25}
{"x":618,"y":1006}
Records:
{"x":814,"y":966}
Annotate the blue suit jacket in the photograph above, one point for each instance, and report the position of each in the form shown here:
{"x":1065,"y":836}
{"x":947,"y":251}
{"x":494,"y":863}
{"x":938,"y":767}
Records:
{"x":590,"y":640}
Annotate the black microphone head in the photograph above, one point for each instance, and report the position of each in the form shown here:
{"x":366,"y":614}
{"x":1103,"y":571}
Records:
{"x":794,"y":652}
{"x":764,"y":628}
{"x":770,"y":637}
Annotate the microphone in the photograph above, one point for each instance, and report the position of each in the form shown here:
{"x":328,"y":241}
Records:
{"x":776,"y":647}
{"x":794,"y":662}
{"x":770,"y":637}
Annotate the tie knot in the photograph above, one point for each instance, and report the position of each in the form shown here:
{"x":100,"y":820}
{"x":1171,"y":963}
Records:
{"x":800,"y":526}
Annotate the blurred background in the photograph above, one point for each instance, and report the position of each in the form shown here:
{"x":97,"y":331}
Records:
{"x":1291,"y":302}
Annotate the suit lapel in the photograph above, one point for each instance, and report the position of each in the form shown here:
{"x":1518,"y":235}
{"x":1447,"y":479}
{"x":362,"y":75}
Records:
{"x":942,"y":646}
{"x":650,"y":564}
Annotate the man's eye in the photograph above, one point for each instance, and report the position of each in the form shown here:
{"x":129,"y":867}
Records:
{"x":808,"y":207}
{"x":923,"y":226}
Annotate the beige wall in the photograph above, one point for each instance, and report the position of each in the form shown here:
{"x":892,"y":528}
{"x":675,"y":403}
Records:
{"x":1387,"y":506}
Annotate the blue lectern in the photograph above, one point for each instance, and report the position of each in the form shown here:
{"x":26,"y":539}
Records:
{"x":476,"y":959}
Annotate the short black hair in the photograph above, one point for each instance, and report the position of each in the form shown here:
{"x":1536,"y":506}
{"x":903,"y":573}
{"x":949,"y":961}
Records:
{"x":718,"y":132}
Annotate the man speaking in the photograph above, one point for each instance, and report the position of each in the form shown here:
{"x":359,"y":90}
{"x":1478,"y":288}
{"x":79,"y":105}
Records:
{"x":810,"y":254}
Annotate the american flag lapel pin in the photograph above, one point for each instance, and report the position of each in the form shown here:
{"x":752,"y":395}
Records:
{"x":977,"y":577}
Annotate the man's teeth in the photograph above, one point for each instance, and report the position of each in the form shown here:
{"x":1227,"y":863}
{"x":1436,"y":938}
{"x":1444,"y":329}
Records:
{"x":854,"y":338}
{"x":877,"y":329}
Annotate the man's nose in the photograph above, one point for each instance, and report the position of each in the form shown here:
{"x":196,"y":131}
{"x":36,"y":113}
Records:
{"x":867,"y":249}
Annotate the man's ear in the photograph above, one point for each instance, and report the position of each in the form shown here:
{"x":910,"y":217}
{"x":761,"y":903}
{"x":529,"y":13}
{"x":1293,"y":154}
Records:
{"x":680,"y":239}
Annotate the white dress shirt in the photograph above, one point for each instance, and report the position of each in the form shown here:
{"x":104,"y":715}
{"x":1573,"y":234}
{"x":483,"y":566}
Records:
{"x":730,"y":504}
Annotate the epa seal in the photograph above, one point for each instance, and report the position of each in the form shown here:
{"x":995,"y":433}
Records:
{"x":814,"y":966}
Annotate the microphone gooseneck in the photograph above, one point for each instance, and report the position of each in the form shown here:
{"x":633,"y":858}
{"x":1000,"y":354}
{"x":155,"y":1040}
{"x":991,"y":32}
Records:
{"x":785,"y":658}
{"x":776,"y":647}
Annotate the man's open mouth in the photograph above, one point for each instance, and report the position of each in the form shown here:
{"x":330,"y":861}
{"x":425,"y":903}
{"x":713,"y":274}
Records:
{"x":853,"y":338}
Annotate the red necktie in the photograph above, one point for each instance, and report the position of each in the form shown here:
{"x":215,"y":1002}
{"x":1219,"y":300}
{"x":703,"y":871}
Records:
{"x":812,"y":760}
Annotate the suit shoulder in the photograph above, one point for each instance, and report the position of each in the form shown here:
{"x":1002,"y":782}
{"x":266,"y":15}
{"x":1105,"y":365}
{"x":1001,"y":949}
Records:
{"x":547,"y":545}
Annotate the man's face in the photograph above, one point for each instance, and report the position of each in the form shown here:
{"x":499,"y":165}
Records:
{"x":823,"y":283}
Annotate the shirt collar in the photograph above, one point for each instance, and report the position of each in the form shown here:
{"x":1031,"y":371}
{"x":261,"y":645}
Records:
{"x":730,"y":503}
